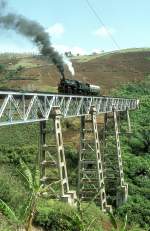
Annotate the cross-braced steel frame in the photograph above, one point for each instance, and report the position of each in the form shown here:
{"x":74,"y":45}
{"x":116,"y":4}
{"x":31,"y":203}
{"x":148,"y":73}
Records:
{"x":16,"y":107}
{"x":116,"y":188}
{"x":21,"y":107}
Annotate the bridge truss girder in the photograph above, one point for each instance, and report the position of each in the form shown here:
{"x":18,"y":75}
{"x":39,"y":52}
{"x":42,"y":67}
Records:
{"x":16,"y":107}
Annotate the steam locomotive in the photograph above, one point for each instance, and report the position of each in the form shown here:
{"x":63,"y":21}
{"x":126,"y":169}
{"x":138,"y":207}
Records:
{"x":75,"y":87}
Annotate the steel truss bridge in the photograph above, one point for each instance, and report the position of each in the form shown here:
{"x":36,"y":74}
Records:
{"x":95,"y":173}
{"x":16,"y":107}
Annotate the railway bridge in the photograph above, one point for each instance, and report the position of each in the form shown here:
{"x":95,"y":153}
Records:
{"x":100,"y":170}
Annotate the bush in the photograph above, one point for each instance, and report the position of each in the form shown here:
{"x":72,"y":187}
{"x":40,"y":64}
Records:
{"x":13,"y":155}
{"x":138,"y":211}
{"x":13,"y":189}
{"x":58,"y":217}
{"x":136,"y":159}
{"x":2,"y":68}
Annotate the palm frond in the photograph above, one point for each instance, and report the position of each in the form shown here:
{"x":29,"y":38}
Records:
{"x":27,"y":174}
{"x":28,"y":207}
{"x":7,"y":211}
{"x":37,"y":178}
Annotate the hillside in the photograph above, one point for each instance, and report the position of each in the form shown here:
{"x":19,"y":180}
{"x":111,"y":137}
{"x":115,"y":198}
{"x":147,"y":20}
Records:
{"x":109,"y":70}
{"x":21,"y":141}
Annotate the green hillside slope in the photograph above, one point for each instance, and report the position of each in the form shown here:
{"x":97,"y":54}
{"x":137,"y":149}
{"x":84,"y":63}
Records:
{"x":109,"y":70}
{"x":21,"y":141}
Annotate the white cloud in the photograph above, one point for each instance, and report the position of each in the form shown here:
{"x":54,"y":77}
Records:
{"x":78,"y":50}
{"x":97,"y":50}
{"x":56,"y":30}
{"x":61,"y":48}
{"x":12,"y":48}
{"x":104,"y":32}
{"x":16,"y":48}
{"x":74,"y":50}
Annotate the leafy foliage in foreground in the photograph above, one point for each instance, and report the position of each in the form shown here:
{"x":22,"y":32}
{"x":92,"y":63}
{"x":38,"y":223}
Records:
{"x":136,"y":156}
{"x":55,"y":215}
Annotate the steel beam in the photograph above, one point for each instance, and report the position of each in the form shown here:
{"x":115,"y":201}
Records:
{"x":17,"y":107}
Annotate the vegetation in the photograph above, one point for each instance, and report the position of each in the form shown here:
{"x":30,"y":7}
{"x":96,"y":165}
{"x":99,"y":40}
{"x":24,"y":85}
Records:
{"x":15,"y":192}
{"x":2,"y":68}
{"x":136,"y":154}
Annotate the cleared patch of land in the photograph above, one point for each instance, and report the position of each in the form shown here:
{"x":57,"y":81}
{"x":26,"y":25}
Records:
{"x":108,"y":70}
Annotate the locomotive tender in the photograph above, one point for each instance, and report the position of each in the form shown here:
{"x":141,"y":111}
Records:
{"x":75,"y":87}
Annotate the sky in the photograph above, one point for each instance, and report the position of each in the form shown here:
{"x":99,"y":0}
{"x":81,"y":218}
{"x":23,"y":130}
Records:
{"x":74,"y":27}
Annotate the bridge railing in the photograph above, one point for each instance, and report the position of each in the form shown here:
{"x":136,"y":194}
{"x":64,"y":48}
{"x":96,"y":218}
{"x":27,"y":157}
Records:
{"x":18,"y":107}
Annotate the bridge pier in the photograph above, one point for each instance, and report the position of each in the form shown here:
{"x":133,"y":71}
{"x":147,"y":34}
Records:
{"x":58,"y":162}
{"x":116,"y":188}
{"x":91,"y":186}
{"x":42,"y":150}
{"x":96,"y":175}
{"x":128,"y":120}
{"x":102,"y":185}
{"x":122,"y":192}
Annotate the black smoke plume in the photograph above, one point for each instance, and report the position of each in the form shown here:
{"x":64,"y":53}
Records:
{"x":34,"y":31}
{"x":3,"y":4}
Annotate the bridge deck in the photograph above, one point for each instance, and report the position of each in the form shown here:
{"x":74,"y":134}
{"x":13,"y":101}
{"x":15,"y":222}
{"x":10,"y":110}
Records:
{"x":18,"y":107}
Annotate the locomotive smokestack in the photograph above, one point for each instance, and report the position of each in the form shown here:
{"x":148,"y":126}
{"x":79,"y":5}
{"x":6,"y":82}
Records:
{"x":34,"y":31}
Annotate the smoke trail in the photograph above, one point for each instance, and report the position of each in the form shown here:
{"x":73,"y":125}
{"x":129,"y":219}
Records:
{"x":3,"y":4}
{"x":69,"y":64}
{"x":34,"y":31}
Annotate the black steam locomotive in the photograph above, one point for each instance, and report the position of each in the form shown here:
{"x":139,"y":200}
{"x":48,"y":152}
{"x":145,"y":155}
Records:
{"x":75,"y":87}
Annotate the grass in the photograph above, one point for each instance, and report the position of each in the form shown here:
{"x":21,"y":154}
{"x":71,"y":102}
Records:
{"x":86,"y":58}
{"x":24,"y":63}
{"x":5,"y":224}
{"x":147,"y":58}
{"x":134,"y":50}
{"x":60,"y":216}
{"x":19,"y":135}
{"x":46,"y":88}
{"x":12,"y":188}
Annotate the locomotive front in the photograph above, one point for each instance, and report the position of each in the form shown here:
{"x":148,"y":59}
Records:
{"x":75,"y":87}
{"x":95,"y":90}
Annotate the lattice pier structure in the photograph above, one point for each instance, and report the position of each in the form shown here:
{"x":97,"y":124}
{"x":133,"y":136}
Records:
{"x":116,"y":188}
{"x":95,"y":177}
{"x":53,"y":156}
{"x":91,"y":184}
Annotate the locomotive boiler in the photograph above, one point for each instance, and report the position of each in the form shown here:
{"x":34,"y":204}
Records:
{"x":75,"y":87}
